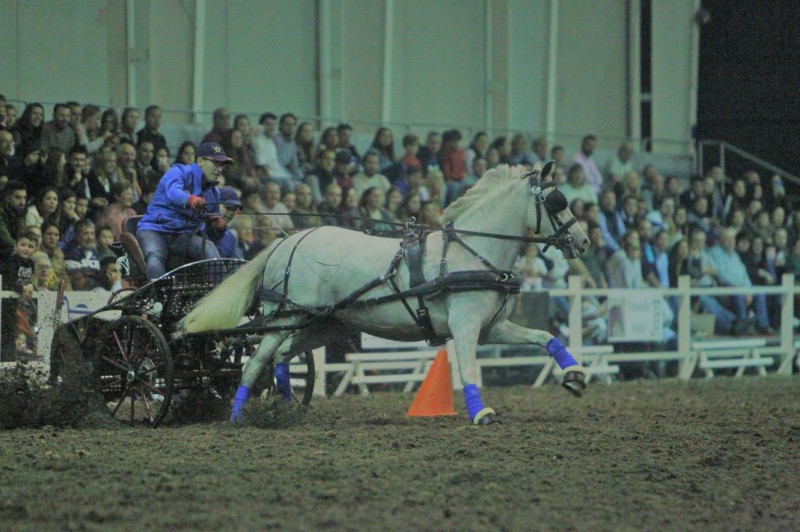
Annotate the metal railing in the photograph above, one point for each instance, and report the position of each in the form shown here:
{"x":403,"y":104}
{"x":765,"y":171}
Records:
{"x":724,"y":151}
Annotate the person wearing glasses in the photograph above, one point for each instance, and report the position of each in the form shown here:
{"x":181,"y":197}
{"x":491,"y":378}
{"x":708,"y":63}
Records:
{"x":174,"y":217}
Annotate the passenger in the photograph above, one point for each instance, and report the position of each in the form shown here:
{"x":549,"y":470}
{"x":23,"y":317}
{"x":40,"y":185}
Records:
{"x":173,"y":217}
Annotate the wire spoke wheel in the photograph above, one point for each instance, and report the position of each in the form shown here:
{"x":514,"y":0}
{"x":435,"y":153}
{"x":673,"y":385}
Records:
{"x":134,"y":370}
{"x":301,"y":375}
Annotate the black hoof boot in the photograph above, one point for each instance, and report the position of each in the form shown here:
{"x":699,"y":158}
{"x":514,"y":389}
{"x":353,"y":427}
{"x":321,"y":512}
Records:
{"x":575,"y":383}
{"x":488,"y":419}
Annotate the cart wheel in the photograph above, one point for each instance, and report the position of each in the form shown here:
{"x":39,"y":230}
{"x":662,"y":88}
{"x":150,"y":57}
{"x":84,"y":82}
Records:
{"x":67,"y":365}
{"x":302,"y":379}
{"x":134,"y":370}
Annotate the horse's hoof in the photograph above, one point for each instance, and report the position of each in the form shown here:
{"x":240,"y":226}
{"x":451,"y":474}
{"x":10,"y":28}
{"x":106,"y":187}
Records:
{"x":487,"y":416}
{"x":488,"y":420}
{"x":575,"y":383}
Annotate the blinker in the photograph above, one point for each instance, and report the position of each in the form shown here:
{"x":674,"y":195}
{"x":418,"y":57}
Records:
{"x":555,"y":202}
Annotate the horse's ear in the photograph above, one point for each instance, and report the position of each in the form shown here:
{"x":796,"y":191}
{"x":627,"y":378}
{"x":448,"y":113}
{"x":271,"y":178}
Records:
{"x":548,"y":169}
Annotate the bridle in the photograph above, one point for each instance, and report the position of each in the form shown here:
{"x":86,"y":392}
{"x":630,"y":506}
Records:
{"x":554,"y":202}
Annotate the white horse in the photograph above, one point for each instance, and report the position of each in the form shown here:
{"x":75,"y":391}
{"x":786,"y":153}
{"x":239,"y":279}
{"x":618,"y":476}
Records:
{"x":345,"y":276}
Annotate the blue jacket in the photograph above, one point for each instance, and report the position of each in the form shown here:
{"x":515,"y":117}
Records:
{"x":167,"y":212}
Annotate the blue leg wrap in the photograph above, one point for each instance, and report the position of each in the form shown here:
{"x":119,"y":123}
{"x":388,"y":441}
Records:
{"x":562,"y":357}
{"x":242,"y":393}
{"x":472,"y":398}
{"x":282,"y":378}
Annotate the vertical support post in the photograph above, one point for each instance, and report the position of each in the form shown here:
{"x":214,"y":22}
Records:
{"x":635,"y":72}
{"x":324,"y":54}
{"x":787,"y":331}
{"x":689,"y":360}
{"x":488,"y":64}
{"x":552,"y":71}
{"x":319,"y":371}
{"x":388,"y":62}
{"x":575,"y":317}
{"x":130,"y":41}
{"x":198,"y":70}
{"x":694,"y":73}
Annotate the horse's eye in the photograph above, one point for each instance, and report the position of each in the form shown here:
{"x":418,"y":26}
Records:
{"x":555,"y":201}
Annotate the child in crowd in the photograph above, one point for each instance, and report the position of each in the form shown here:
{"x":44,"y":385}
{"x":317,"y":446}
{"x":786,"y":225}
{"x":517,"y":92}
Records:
{"x":19,"y":315}
{"x":532,"y":268}
{"x":105,"y":237}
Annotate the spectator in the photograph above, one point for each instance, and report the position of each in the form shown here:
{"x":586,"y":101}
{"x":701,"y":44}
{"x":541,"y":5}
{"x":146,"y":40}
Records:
{"x":81,"y":258}
{"x":173,"y":216}
{"x":109,"y":124}
{"x":394,"y":199}
{"x":436,"y":187}
{"x":44,"y":279}
{"x":370,"y":177}
{"x":290,"y":200}
{"x":105,"y":237}
{"x":128,"y":124}
{"x":265,"y":152}
{"x":519,"y":146}
{"x":557,"y":156}
{"x":620,"y":164}
{"x":51,"y":235}
{"x":383,"y":146}
{"x":341,"y":170}
{"x":585,"y":158}
{"x":531,"y":268}
{"x":694,"y":191}
{"x":287,"y":150}
{"x":91,"y":135}
{"x":576,"y":186}
{"x":67,"y":215}
{"x":662,"y":218}
{"x":304,"y":215}
{"x":430,"y":215}
{"x":428,"y":155}
{"x":102,"y":180}
{"x":46,"y":208}
{"x":57,"y":132}
{"x":596,"y":257}
{"x":150,"y":133}
{"x":120,"y":208}
{"x":625,"y":215}
{"x":344,"y":134}
{"x":477,"y":148}
{"x":162,"y":163}
{"x":247,"y":245}
{"x":7,"y":150}
{"x":538,"y":151}
{"x":186,"y":153}
{"x":110,"y":278}
{"x":375,"y":219}
{"x":410,"y":207}
{"x":220,"y":128}
{"x":253,"y":209}
{"x":243,"y":167}
{"x":409,"y":159}
{"x":77,"y":170}
{"x":11,"y":116}
{"x":478,"y":168}
{"x":351,"y":211}
{"x":653,"y":190}
{"x":126,"y":160}
{"x":625,"y":265}
{"x":330,"y":208}
{"x":731,"y":271}
{"x":276,"y":211}
{"x":18,"y":316}
{"x":12,"y":215}
{"x":146,"y":172}
{"x":226,"y":241}
{"x":503,"y":147}
{"x":54,"y":171}
{"x":306,"y":154}
{"x":321,"y":175}
{"x":452,"y":164}
{"x":28,"y":129}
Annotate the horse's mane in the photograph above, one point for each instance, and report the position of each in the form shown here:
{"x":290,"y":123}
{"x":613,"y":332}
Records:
{"x":492,"y":182}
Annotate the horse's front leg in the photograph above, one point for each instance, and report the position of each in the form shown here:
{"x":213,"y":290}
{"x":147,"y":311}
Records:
{"x":510,"y":333}
{"x":465,"y":331}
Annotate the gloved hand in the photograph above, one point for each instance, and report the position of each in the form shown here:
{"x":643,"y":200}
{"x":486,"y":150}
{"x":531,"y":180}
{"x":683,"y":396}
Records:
{"x":196,"y":203}
{"x":217,"y":222}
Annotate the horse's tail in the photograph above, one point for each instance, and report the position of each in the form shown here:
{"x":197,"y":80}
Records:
{"x":227,"y":303}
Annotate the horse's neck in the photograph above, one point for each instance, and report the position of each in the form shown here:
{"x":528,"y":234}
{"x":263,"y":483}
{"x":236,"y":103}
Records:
{"x":502,"y":253}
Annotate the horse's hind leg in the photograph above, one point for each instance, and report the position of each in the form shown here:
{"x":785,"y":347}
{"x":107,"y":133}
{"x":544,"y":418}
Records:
{"x":253,"y":368}
{"x":511,"y":333}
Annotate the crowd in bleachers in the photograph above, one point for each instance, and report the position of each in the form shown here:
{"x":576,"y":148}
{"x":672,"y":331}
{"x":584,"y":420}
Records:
{"x":68,"y":184}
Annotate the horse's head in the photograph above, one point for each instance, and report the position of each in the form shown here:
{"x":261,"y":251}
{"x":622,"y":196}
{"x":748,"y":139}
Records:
{"x":550,"y":203}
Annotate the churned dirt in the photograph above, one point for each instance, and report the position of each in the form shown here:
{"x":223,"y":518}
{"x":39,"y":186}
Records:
{"x":658,"y":455}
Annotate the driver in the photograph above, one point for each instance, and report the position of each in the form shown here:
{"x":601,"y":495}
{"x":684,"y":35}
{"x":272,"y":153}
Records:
{"x":173,"y":217}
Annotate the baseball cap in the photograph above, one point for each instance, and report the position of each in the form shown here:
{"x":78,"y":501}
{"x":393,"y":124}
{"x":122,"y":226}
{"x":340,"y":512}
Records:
{"x":212,"y":150}
{"x":343,"y":156}
{"x":229,"y":198}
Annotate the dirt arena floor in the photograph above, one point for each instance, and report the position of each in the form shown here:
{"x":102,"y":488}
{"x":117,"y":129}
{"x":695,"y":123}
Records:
{"x":658,"y":455}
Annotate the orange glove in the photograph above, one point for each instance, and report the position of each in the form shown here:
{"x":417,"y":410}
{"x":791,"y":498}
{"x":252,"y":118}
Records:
{"x":217,"y":222}
{"x":196,"y":203}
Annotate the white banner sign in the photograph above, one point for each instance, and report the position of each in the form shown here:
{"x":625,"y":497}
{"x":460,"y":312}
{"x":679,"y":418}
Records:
{"x":635,"y":317}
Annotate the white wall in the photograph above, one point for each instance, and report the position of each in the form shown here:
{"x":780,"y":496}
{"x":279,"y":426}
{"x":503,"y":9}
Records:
{"x":265,"y":55}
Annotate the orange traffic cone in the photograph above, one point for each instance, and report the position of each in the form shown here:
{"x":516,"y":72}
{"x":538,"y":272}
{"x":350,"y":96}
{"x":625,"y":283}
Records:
{"x":435,"y":396}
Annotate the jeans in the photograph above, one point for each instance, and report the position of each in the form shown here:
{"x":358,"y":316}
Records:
{"x":158,"y":247}
{"x":759,"y":306}
{"x":725,"y":319}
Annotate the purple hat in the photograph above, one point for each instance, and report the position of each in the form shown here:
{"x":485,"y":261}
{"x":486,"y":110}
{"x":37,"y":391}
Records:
{"x":229,"y":197}
{"x":212,"y":150}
